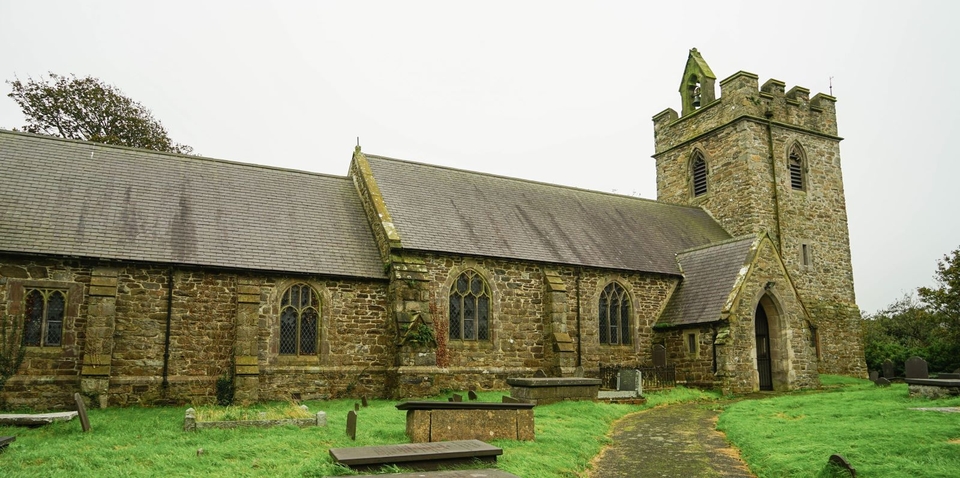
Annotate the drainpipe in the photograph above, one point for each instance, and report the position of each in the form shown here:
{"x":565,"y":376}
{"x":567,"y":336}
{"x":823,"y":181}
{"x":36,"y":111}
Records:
{"x":579,"y":331}
{"x":166,"y":339}
{"x":776,"y":186}
{"x":713,"y":345}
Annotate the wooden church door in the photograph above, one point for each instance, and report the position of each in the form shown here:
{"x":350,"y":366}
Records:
{"x":763,"y":349}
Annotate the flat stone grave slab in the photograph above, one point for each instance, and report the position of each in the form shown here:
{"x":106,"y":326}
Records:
{"x":419,"y":456}
{"x":35,"y":419}
{"x":435,"y":421}
{"x":484,"y":473}
{"x":544,"y":390}
{"x":4,"y":441}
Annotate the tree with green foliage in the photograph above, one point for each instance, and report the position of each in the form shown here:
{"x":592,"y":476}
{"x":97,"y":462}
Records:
{"x":90,"y":110}
{"x":928,"y":328}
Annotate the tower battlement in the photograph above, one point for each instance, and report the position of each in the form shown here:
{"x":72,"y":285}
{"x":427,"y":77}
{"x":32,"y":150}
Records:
{"x":742,"y":99}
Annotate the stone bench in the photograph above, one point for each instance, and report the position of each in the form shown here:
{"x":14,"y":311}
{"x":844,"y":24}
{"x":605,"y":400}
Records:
{"x":544,"y":390}
{"x":419,"y":456}
{"x":432,"y":421}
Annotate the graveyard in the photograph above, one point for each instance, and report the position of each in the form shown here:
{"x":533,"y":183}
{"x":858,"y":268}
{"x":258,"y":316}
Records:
{"x":881,"y":430}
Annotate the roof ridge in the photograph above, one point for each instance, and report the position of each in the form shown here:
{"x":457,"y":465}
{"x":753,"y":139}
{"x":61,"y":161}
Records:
{"x":44,"y":137}
{"x":530,"y":181}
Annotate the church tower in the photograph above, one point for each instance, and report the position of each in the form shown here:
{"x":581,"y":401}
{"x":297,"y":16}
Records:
{"x":762,"y":159}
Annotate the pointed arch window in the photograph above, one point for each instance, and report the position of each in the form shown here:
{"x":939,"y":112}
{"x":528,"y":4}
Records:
{"x":699,"y":173}
{"x":614,"y":315}
{"x":470,"y":307}
{"x":796,"y":164}
{"x":43,"y":317}
{"x":299,"y":320}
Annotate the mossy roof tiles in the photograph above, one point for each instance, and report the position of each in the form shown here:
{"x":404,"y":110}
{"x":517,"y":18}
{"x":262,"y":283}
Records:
{"x":91,"y":200}
{"x":709,"y":277}
{"x":462,"y":212}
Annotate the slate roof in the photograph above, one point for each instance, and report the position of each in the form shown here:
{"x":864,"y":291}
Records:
{"x":709,"y":276}
{"x":442,"y":209}
{"x":85,"y":199}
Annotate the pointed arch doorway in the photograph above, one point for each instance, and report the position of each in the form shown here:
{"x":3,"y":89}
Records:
{"x":764,"y":358}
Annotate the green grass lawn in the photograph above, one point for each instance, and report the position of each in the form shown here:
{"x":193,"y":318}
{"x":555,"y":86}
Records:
{"x":150,"y":442}
{"x":873,"y":427}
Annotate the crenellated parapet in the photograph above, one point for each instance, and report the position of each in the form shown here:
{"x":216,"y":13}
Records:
{"x":742,"y":99}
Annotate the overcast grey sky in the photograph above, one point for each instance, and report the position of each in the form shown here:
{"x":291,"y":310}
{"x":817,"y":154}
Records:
{"x":559,"y":92}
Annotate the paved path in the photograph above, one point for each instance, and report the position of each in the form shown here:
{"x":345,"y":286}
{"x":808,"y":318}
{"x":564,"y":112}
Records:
{"x":671,"y":441}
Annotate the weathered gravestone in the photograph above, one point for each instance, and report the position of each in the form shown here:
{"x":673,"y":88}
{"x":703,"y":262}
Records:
{"x":472,"y":395}
{"x":888,"y":370}
{"x":509,"y":399}
{"x":916,"y":367}
{"x":4,"y":441}
{"x":882,"y":382}
{"x":578,"y":372}
{"x":841,"y":464}
{"x":352,"y":425}
{"x":540,"y":374}
{"x":363,"y":401}
{"x":356,"y":407}
{"x":874,"y":375}
{"x":82,"y":410}
{"x":457,"y":398}
{"x":659,"y":355}
{"x":628,"y":380}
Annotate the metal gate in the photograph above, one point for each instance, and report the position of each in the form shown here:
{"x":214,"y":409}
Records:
{"x":763,"y":349}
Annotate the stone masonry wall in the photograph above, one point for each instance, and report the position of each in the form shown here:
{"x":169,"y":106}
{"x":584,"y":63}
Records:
{"x":354,"y":351}
{"x":746,"y":136}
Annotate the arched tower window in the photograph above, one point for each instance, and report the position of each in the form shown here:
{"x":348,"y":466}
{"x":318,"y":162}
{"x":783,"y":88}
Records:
{"x":796,"y":164}
{"x":299,"y":320}
{"x":43,"y":317}
{"x":469,"y":307}
{"x":614,"y":315}
{"x":698,"y":169}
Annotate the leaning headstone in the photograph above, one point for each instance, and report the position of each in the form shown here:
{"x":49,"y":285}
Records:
{"x":352,"y":424}
{"x":363,"y":401}
{"x":874,"y":375}
{"x":842,"y":464}
{"x":882,"y":382}
{"x":82,"y":410}
{"x":916,"y":367}
{"x":888,"y":370}
{"x":540,"y":374}
{"x":457,"y":397}
{"x":659,"y":355}
{"x":472,"y":395}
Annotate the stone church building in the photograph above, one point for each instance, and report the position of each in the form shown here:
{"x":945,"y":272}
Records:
{"x":141,"y":277}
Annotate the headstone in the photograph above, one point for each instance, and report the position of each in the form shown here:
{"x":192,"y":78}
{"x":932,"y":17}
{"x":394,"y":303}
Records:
{"x":882,"y":382}
{"x":363,"y":401}
{"x":888,"y":370}
{"x":82,"y":410}
{"x":356,"y":407}
{"x":916,"y":367}
{"x":472,"y":395}
{"x":628,"y":380}
{"x":659,"y":355}
{"x":352,"y":425}
{"x":841,"y":463}
{"x":540,"y":374}
{"x":578,"y":372}
{"x":874,"y":375}
{"x":450,"y":399}
{"x":457,"y":397}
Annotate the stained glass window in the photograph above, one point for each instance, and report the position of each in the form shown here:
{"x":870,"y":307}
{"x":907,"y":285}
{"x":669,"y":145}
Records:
{"x":614,"y":315}
{"x":43,"y":317}
{"x":470,"y":307}
{"x":299,"y":320}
